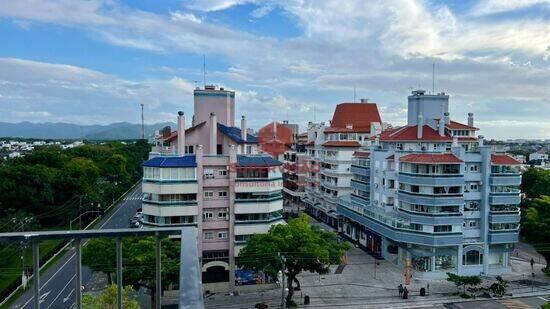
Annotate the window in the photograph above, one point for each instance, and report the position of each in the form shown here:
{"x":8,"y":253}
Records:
{"x":189,"y":149}
{"x":473,"y":168}
{"x":208,"y":173}
{"x":471,"y":206}
{"x":248,"y":149}
{"x":222,"y":194}
{"x":474,"y":187}
{"x":208,"y":194}
{"x":207,"y":215}
{"x":472,"y":257}
{"x":222,"y":172}
{"x":208,"y":235}
{"x":443,"y":228}
{"x":222,"y":235}
{"x":471,"y":224}
{"x":222,"y":214}
{"x":219,"y":149}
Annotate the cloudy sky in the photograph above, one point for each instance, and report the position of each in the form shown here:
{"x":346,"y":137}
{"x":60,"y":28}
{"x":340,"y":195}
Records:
{"x":95,"y":61}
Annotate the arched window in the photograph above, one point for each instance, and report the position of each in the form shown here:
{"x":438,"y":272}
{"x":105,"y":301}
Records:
{"x":472,"y":257}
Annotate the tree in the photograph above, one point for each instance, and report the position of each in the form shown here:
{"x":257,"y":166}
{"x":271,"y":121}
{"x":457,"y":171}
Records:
{"x":463,"y":281}
{"x":108,"y":299}
{"x":499,"y":288}
{"x":138,"y":260}
{"x":536,"y":225}
{"x":298,"y":245}
{"x":535,"y":182}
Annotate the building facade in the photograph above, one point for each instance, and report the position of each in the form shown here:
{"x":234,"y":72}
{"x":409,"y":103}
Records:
{"x":330,"y":149}
{"x":211,"y":176}
{"x":432,"y":198}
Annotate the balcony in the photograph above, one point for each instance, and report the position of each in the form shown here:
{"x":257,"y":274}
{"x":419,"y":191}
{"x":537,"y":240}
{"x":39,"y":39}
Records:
{"x":497,"y":199}
{"x":169,"y":203}
{"x":503,"y":236}
{"x":432,"y":179}
{"x":504,"y":216}
{"x":360,"y":170}
{"x":360,"y":185}
{"x":397,"y":230}
{"x":173,"y":187}
{"x":431,"y":200}
{"x":243,"y":206}
{"x":505,"y":180}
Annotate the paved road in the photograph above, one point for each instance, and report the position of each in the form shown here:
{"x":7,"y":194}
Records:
{"x":58,"y":283}
{"x":512,"y":303}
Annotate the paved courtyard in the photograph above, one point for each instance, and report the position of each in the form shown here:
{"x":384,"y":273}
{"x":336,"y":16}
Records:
{"x":360,"y":284}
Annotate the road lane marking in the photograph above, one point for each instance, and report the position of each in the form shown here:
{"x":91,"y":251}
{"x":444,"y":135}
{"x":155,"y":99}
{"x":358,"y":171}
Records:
{"x":71,"y":257}
{"x":48,"y":281}
{"x":43,"y":296}
{"x":63,"y":289}
{"x":543,"y":298}
{"x":68,"y":296}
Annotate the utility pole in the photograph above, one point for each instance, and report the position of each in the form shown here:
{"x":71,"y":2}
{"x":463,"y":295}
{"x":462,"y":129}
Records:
{"x":142,"y":124}
{"x":283,"y":302}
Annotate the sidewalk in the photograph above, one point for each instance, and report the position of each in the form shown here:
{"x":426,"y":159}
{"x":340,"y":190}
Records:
{"x":356,"y":287}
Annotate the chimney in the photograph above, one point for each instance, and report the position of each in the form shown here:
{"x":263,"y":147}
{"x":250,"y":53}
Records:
{"x":447,"y":118}
{"x":480,"y":140}
{"x":441,"y":127}
{"x":471,"y":119}
{"x":213,"y":133}
{"x":420,"y":126}
{"x":243,"y":128}
{"x":364,"y":100}
{"x":181,"y":134}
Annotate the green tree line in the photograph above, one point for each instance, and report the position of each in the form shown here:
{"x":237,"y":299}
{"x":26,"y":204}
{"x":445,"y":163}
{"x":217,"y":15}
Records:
{"x":535,"y":215}
{"x":49,"y":184}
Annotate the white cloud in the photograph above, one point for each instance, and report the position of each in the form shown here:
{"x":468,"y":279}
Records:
{"x":382,"y":47}
{"x":489,"y":7}
{"x":180,"y":16}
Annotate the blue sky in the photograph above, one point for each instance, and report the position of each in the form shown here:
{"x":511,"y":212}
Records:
{"x":95,"y":61}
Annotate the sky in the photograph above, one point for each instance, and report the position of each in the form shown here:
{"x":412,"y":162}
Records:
{"x":96,"y":61}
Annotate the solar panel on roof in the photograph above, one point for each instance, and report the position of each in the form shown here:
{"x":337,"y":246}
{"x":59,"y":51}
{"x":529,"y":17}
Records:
{"x":183,"y":161}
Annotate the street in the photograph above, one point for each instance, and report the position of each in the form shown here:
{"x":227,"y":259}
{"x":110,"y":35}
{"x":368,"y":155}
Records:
{"x":57,"y":283}
{"x":519,"y":303}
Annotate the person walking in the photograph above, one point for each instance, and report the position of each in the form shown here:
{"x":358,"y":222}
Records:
{"x":532,"y":263}
{"x":405,"y":293}
{"x":400,"y":289}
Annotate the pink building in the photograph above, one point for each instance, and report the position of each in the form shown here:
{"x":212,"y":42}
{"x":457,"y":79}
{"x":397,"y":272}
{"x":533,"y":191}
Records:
{"x":211,"y":176}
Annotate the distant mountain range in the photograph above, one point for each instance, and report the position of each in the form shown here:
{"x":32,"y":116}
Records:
{"x":59,"y":130}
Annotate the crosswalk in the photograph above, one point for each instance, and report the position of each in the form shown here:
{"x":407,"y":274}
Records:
{"x":133,"y":198}
{"x":512,"y":303}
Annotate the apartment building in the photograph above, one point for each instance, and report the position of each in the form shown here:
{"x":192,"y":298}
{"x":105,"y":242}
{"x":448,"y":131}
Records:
{"x":330,"y":149}
{"x":210,"y":175}
{"x":432,"y":198}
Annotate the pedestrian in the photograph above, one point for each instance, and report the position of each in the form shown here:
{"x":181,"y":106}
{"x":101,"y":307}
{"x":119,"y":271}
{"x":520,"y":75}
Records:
{"x":405,"y":293}
{"x":532,"y":263}
{"x":400,"y":289}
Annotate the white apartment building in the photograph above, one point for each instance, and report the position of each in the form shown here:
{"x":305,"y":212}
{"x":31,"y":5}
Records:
{"x":330,"y":149}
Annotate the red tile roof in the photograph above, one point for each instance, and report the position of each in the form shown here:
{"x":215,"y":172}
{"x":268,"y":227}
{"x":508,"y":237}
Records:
{"x":358,"y":115}
{"x":361,"y":154}
{"x":277,"y":131}
{"x":342,"y":144}
{"x":409,"y":133}
{"x":503,"y":159}
{"x":459,"y":126}
{"x":430,"y":158}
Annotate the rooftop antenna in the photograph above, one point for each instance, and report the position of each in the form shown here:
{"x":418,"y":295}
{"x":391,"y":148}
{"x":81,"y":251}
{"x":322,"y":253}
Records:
{"x":204,"y":70}
{"x":142,"y":124}
{"x":433,"y":78}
